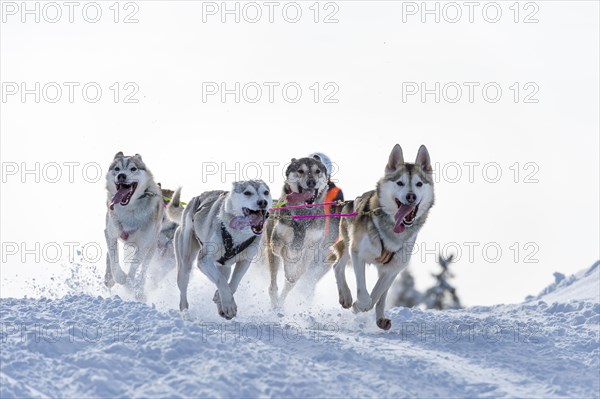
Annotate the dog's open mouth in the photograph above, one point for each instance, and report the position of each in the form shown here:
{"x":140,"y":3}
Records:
{"x":124,"y":193}
{"x":405,"y":216}
{"x":255,"y":219}
{"x":303,"y":196}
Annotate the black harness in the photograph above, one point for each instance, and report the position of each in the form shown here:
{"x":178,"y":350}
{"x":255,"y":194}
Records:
{"x":147,"y":194}
{"x":231,"y":250}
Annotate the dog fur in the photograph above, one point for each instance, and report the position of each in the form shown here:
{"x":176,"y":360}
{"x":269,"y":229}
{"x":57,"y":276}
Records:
{"x":134,"y":216}
{"x":297,"y":244}
{"x":383,"y":234}
{"x":206,"y":222}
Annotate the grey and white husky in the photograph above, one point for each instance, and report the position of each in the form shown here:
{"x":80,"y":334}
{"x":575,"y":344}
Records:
{"x":298,"y":243}
{"x":219,"y":229}
{"x":134,"y":215}
{"x":384,"y":232}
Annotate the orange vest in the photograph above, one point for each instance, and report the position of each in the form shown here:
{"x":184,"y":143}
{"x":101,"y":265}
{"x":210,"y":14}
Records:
{"x":330,"y":197}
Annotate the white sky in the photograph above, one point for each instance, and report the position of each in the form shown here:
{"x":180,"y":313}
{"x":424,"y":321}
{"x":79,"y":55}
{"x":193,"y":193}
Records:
{"x":368,"y":54}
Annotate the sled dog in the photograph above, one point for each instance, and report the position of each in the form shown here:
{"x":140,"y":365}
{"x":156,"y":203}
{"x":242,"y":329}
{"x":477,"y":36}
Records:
{"x":383,"y":234}
{"x":297,"y":244}
{"x":219,"y":229}
{"x":134,"y":216}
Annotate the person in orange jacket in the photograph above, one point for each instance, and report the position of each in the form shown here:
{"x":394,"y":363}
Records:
{"x":334,"y":193}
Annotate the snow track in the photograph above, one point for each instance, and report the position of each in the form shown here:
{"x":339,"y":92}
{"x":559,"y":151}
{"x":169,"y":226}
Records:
{"x":86,"y":346}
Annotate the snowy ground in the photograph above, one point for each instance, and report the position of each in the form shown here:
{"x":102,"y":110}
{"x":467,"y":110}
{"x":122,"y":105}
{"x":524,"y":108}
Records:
{"x":82,"y":345}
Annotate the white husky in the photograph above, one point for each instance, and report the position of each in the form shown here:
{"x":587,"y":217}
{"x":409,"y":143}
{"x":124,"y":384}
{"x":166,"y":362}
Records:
{"x":219,"y":229}
{"x":134,"y":215}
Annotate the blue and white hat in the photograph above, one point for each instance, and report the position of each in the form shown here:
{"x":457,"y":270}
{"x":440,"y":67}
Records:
{"x":325,"y":159}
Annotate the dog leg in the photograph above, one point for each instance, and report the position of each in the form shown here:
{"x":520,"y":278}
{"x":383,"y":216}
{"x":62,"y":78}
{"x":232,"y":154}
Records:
{"x":387,"y":274}
{"x":136,"y":259}
{"x":274,"y":262}
{"x":226,"y":272}
{"x":184,"y":267}
{"x":382,"y":322}
{"x":363,"y":302}
{"x":108,"y":278}
{"x":384,"y":282}
{"x":294,"y":269}
{"x":116,"y":272}
{"x":209,"y":268}
{"x":287,"y":287}
{"x":139,"y":284}
{"x":344,"y":292}
{"x":240,"y":270}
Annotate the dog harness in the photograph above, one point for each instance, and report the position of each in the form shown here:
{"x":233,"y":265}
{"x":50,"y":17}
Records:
{"x":230,"y":249}
{"x":386,"y":255}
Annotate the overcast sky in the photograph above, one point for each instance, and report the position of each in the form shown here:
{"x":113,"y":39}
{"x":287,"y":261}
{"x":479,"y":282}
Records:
{"x":514,"y":136}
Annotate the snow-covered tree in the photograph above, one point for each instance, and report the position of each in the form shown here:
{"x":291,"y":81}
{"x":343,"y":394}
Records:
{"x":404,"y":292}
{"x":443,"y":294}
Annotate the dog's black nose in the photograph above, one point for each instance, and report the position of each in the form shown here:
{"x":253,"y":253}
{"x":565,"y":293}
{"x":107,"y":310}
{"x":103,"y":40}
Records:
{"x":121,"y":177}
{"x":311,"y":183}
{"x":262,"y":204}
{"x":411,"y":198}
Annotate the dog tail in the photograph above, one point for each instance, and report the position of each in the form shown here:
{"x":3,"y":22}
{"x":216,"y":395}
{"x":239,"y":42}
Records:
{"x":175,"y":209}
{"x":337,"y":250}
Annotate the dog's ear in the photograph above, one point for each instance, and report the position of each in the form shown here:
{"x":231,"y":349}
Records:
{"x":288,"y":170}
{"x":138,"y":156}
{"x":396,"y":159}
{"x":318,"y":158}
{"x":119,"y":154}
{"x":423,"y":159}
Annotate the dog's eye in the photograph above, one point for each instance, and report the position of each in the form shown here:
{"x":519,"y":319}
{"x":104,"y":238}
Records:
{"x":300,"y":172}
{"x":133,"y":169}
{"x":266,"y":193}
{"x":247,"y":193}
{"x":117,"y":169}
{"x":318,"y":171}
{"x":419,"y":184}
{"x":400,"y":184}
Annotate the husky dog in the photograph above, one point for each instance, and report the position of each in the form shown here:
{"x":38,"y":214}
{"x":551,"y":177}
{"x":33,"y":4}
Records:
{"x":134,"y":215}
{"x":297,"y":243}
{"x":219,"y":229}
{"x":384,"y":231}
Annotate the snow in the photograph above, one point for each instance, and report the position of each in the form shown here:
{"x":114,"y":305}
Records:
{"x":85,"y":345}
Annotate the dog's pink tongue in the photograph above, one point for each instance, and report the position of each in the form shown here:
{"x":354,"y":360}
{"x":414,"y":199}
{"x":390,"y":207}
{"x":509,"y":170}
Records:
{"x":400,"y":215}
{"x":298,"y":198}
{"x":118,"y":197}
{"x":241,"y":222}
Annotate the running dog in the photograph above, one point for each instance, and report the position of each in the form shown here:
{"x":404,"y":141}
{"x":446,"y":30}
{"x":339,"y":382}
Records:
{"x":134,"y":216}
{"x":384,"y":231}
{"x":297,"y":242}
{"x":219,"y":229}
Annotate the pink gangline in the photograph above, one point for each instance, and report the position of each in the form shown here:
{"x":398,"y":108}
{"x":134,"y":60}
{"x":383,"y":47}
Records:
{"x":302,"y":206}
{"x":333,"y":215}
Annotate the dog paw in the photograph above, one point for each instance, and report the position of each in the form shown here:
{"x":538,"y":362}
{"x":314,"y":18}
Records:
{"x":185,"y":315}
{"x":362,"y":305}
{"x":216,"y":297}
{"x":345,"y":298}
{"x":384,"y":324}
{"x":183,"y":306}
{"x":120,"y":277}
{"x":109,"y":282}
{"x":228,"y":310}
{"x":275,"y":304}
